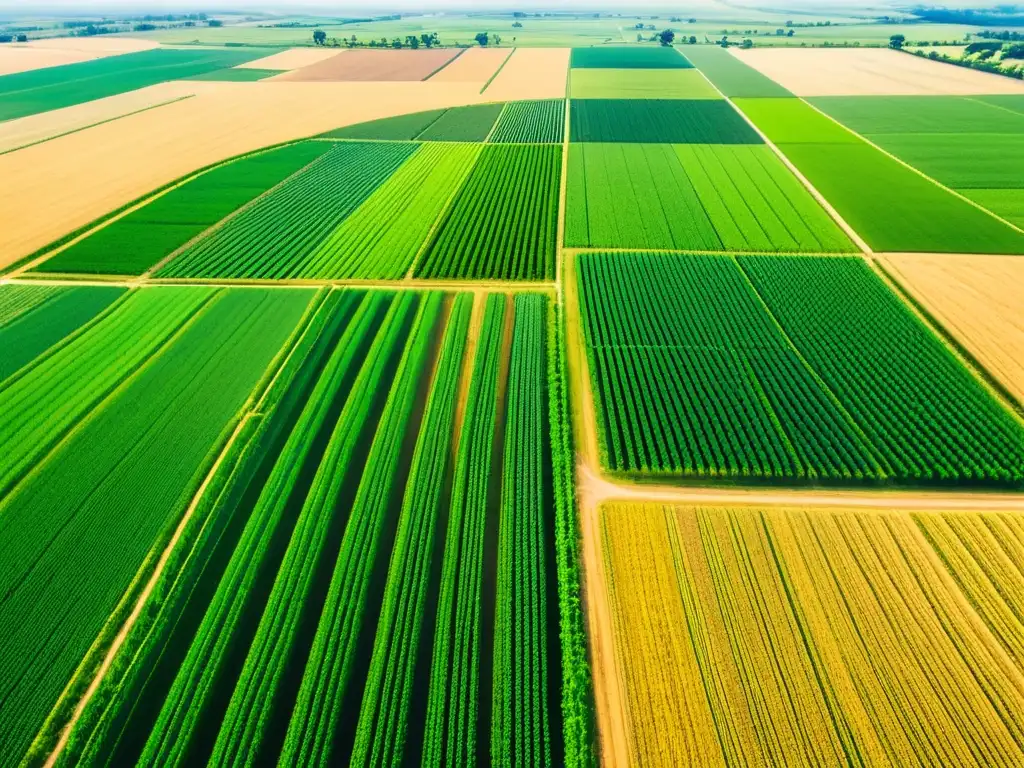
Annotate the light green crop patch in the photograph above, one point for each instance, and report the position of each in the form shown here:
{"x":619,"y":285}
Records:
{"x":793,"y":121}
{"x":640,"y":84}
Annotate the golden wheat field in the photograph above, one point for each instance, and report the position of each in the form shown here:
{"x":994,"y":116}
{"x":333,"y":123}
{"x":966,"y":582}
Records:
{"x":810,"y":637}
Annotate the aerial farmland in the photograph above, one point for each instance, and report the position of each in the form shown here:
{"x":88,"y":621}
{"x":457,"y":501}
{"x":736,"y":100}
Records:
{"x":575,"y":388}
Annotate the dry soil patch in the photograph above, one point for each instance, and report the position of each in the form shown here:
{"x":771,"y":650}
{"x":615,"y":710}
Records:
{"x":531,"y":73}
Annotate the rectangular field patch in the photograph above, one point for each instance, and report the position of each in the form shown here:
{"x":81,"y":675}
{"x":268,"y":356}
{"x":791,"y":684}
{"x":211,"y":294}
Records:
{"x":795,"y":368}
{"x":502,"y":224}
{"x":472,"y":123}
{"x":379,"y":65}
{"x":800,"y":636}
{"x":895,"y":209}
{"x":639,"y":84}
{"x":628,"y":57}
{"x":649,"y":121}
{"x":692,"y":197}
{"x":531,"y":122}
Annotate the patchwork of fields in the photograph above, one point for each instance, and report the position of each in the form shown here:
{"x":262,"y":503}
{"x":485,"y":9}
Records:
{"x":308,"y":454}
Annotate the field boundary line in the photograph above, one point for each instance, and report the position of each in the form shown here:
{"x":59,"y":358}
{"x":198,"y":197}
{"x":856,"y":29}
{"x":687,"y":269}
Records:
{"x":443,"y":66}
{"x":140,"y":602}
{"x":31,"y":262}
{"x":612,"y":740}
{"x":694,"y":252}
{"x":822,"y":200}
{"x":416,"y":284}
{"x":227,"y":219}
{"x":898,"y":500}
{"x":94,"y":125}
{"x":562,"y":197}
{"x":959,"y":349}
{"x":976,"y":100}
{"x":494,"y":126}
{"x":500,"y":67}
{"x":442,"y":214}
{"x":919,"y":172}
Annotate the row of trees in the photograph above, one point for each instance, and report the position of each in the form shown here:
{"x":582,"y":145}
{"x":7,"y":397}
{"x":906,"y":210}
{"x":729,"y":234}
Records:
{"x":425,"y":40}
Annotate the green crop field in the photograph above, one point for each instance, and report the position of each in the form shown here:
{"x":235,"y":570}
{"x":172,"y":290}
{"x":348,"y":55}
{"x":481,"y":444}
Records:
{"x":692,"y":197}
{"x":673,"y":121}
{"x":501,"y":225}
{"x":26,"y":93}
{"x":367,"y":544}
{"x":627,"y":57}
{"x":463,"y":124}
{"x":964,"y":143}
{"x":531,"y":122}
{"x":801,"y":367}
{"x":119,"y":480}
{"x":45,"y":320}
{"x":639,"y":84}
{"x":381,"y":238}
{"x":136,"y":242}
{"x":292,"y":221}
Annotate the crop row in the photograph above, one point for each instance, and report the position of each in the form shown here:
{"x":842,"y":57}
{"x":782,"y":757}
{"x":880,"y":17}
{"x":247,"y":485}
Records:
{"x":472,"y":123}
{"x":781,"y":367}
{"x":139,"y":240}
{"x":17,"y":299}
{"x":106,"y":497}
{"x":692,"y":197}
{"x":371,"y":579}
{"x":531,"y":122}
{"x":502,"y":224}
{"x":800,"y":637}
{"x":275,"y":238}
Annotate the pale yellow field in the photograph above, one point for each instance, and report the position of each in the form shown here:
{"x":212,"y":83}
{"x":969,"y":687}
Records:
{"x":869,"y":71}
{"x":26,"y":130}
{"x":531,"y":73}
{"x":985,"y":554}
{"x":979,"y":299}
{"x":797,"y":637}
{"x":293,"y":58}
{"x":474,"y":66}
{"x":54,"y":52}
{"x":56,"y":187}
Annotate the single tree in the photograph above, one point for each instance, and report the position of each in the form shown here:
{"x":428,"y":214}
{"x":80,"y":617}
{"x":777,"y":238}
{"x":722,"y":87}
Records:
{"x":481,"y":37}
{"x":693,"y":39}
{"x":412,"y":41}
{"x":427,"y":40}
{"x":667,"y":36}
{"x":319,"y":36}
{"x":897,"y":41}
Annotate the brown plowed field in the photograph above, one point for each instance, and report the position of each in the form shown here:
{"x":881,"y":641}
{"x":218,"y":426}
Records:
{"x":376,"y":66}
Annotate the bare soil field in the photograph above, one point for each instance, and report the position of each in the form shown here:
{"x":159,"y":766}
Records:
{"x":474,"y":66}
{"x":377,"y":66}
{"x":869,"y":72}
{"x":978,"y":299}
{"x":54,"y":52}
{"x":54,"y":188}
{"x":531,"y":73}
{"x":293,"y":58}
{"x":45,"y":125}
